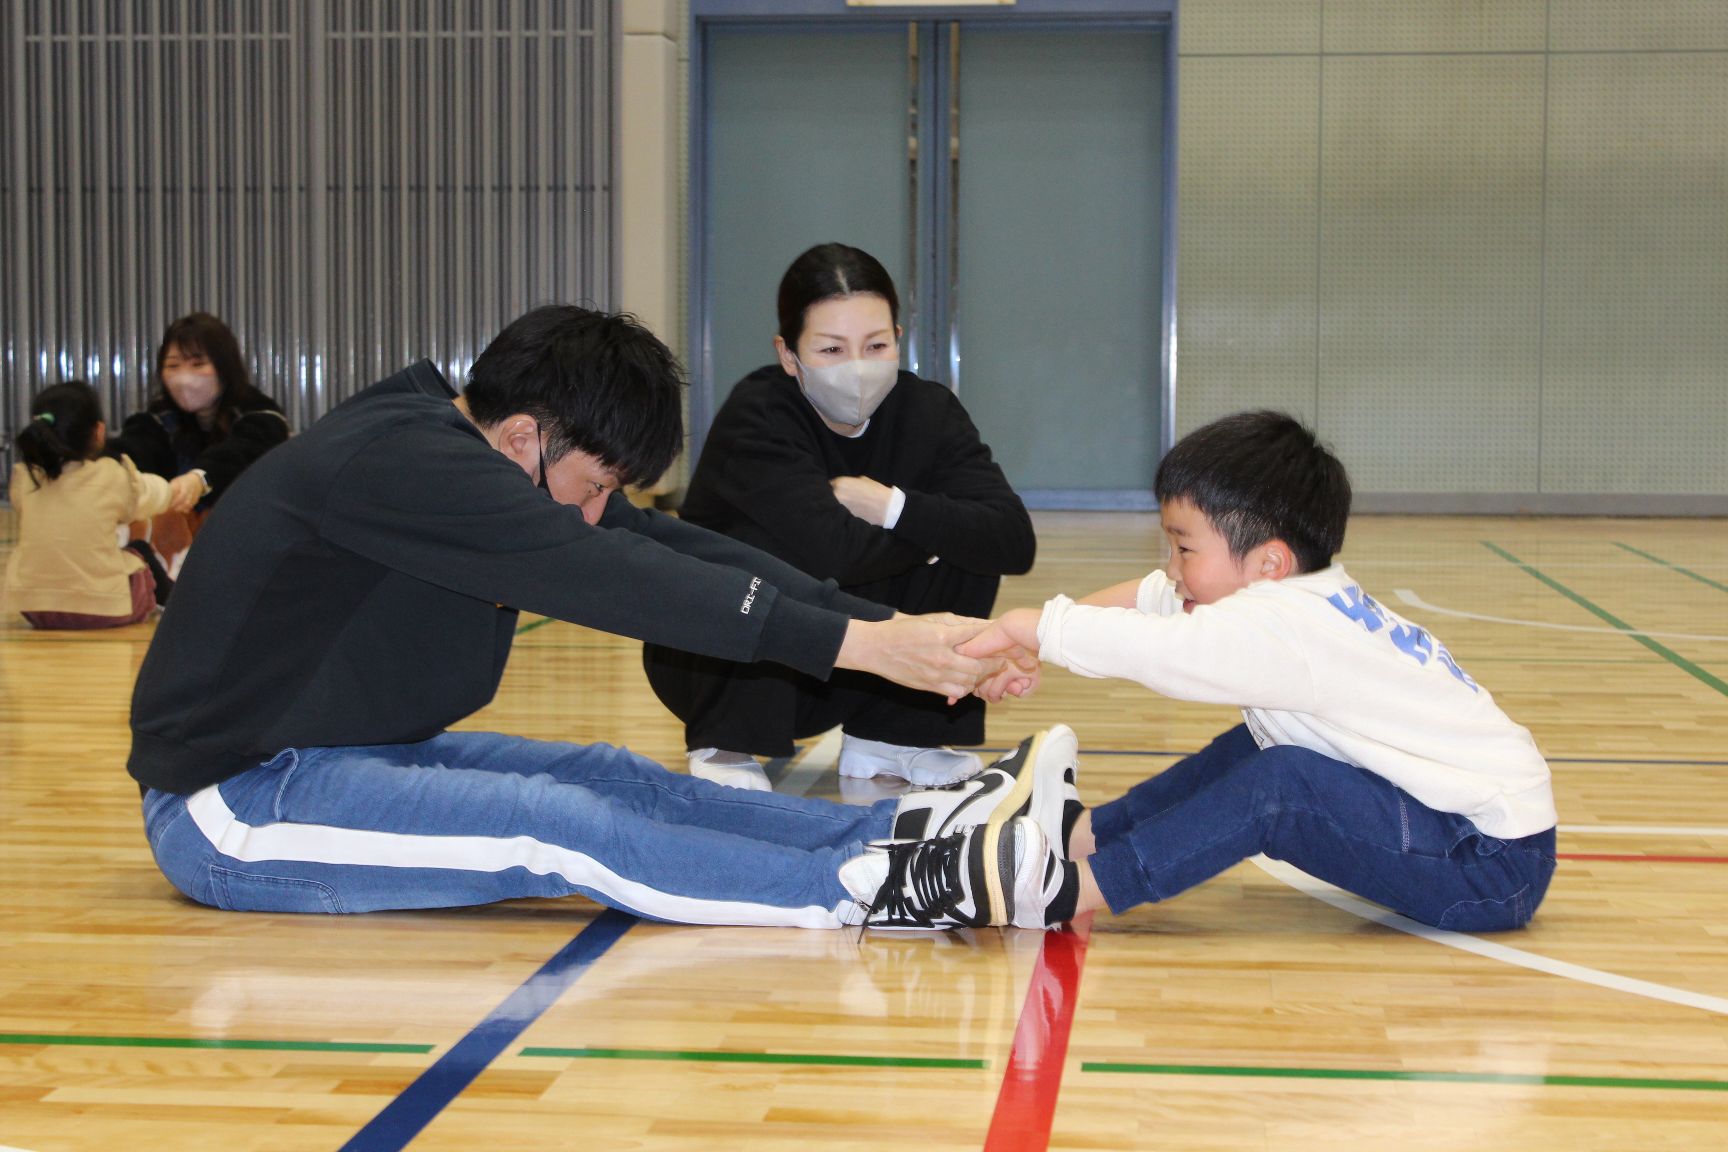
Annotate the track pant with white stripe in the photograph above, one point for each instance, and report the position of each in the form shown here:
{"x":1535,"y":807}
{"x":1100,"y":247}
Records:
{"x":473,"y":817}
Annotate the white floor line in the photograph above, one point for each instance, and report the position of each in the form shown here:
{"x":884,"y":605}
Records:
{"x":1641,"y":830}
{"x":1416,"y":601}
{"x":809,"y":768}
{"x":1343,"y":901}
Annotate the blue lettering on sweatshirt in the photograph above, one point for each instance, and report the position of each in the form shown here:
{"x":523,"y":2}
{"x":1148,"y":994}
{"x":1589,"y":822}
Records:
{"x":1414,"y":642}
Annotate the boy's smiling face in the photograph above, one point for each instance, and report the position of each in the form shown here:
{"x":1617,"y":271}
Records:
{"x":1200,"y":563}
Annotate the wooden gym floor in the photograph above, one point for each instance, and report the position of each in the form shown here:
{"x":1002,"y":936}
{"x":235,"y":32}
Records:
{"x":1255,"y":1012}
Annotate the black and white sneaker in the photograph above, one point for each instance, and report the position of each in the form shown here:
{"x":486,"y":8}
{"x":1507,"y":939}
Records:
{"x":930,"y":813}
{"x":969,"y":879}
{"x":1037,"y":779}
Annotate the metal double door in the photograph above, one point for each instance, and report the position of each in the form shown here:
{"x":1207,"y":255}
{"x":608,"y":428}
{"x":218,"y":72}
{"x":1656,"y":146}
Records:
{"x":1013,"y":177}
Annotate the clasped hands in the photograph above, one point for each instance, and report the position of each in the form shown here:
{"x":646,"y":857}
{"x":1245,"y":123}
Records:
{"x":953,"y":656}
{"x":185,"y":490}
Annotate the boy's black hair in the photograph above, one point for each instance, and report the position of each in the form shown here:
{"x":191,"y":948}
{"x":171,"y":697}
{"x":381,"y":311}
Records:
{"x":1259,"y":476}
{"x":599,"y":383}
{"x":823,"y":273}
{"x":61,"y":428}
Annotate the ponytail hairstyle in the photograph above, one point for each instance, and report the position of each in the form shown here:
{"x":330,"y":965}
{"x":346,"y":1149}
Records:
{"x":823,"y":273}
{"x":201,"y":334}
{"x":61,"y":429}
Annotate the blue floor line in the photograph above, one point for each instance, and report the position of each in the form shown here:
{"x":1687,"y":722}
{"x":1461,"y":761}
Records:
{"x":419,"y":1104}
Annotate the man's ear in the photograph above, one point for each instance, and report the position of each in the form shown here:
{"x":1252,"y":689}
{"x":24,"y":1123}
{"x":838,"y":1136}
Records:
{"x":519,"y":439}
{"x":1277,"y":560}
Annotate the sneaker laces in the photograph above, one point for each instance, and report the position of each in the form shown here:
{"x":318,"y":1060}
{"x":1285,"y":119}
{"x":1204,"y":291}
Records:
{"x":930,"y":869}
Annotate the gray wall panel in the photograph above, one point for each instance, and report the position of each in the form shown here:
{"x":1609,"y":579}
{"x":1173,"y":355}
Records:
{"x":1430,"y":258}
{"x":1523,"y":265}
{"x":1250,"y":214}
{"x":1433,"y":25}
{"x":1644,"y":25}
{"x":1636,"y":396}
{"x":1250,"y":27}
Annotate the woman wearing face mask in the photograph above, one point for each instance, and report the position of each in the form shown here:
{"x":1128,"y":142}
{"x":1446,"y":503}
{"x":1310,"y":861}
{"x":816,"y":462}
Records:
{"x":839,"y":462}
{"x":205,"y":424}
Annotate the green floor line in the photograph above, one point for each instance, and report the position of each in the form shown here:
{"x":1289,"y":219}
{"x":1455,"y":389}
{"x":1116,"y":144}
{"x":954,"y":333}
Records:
{"x":1672,"y":567}
{"x":1604,"y":615}
{"x":1418,"y":1077}
{"x":709,"y":1057}
{"x":540,"y":623}
{"x":182,"y":1042}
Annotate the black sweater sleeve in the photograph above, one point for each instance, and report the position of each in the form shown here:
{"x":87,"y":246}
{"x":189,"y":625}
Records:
{"x":251,"y":435}
{"x":143,"y":438}
{"x":694,"y":540}
{"x":424,"y":503}
{"x":760,"y":462}
{"x":966,"y":512}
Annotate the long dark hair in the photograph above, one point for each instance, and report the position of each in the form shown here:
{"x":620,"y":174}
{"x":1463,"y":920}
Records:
{"x":62,"y":428}
{"x":827,"y":271}
{"x":200,"y":333}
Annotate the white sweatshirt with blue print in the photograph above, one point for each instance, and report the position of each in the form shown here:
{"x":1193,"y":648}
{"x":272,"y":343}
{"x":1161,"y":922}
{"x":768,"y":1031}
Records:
{"x":1315,"y":662}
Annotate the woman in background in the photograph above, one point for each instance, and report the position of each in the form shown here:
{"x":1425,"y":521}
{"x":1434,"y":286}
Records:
{"x":205,"y":425}
{"x":837,"y":461}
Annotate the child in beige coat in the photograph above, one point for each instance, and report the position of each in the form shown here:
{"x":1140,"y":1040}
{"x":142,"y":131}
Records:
{"x":68,"y":569}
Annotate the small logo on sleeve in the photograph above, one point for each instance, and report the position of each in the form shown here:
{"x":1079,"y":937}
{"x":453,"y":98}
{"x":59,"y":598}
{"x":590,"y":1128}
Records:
{"x":750,"y":596}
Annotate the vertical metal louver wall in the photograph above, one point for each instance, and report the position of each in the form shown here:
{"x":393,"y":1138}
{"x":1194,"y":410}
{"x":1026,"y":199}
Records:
{"x":350,"y":184}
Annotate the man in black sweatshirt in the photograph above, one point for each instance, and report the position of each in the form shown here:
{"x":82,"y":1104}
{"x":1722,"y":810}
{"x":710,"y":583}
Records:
{"x":357,"y":591}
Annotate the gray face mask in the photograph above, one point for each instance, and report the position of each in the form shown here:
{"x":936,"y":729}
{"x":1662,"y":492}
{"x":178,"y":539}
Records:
{"x":848,"y":393}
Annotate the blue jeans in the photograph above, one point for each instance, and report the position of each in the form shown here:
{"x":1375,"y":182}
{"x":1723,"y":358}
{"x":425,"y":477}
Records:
{"x":471,"y":817}
{"x":1335,"y":821}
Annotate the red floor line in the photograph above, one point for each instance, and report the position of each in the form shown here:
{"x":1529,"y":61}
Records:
{"x":1645,"y":859}
{"x":1027,"y":1103}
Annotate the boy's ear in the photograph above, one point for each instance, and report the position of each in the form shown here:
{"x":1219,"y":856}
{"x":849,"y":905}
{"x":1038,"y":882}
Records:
{"x":1277,"y":560}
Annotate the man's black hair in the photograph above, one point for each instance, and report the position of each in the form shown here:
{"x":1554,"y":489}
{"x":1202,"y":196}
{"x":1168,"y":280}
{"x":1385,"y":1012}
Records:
{"x":1259,"y":476}
{"x":596,"y":382}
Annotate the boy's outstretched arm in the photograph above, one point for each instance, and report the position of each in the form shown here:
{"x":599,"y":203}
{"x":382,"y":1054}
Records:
{"x":1123,"y":595}
{"x":1011,"y":630}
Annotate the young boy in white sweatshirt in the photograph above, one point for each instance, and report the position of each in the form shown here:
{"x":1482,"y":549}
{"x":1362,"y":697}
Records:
{"x":1367,"y":758}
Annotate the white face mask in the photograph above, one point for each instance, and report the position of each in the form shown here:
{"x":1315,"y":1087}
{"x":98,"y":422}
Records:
{"x":193,"y":392}
{"x":848,"y":393}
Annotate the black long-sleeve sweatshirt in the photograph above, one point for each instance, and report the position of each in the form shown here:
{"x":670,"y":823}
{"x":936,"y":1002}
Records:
{"x":764,"y":472}
{"x":360,"y":585}
{"x":148,"y":437}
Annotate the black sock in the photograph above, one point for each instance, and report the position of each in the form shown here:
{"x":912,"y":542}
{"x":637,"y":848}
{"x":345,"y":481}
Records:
{"x":1061,"y":909}
{"x":1071,"y":812}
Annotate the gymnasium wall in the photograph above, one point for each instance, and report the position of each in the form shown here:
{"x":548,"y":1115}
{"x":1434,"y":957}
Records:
{"x":351,"y":184}
{"x":1482,"y":244}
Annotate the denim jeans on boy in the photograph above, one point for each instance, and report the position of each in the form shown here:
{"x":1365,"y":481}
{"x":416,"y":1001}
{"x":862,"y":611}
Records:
{"x":1336,"y":822}
{"x":472,"y":817}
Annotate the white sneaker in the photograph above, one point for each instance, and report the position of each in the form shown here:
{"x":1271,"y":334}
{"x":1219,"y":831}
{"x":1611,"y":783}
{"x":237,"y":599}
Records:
{"x":924,"y":767}
{"x":732,"y":769}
